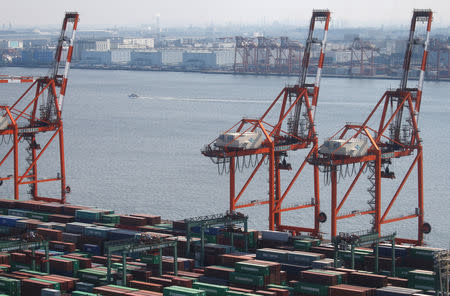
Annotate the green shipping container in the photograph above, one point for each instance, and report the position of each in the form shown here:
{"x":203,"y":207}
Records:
{"x":124,"y":288}
{"x":234,"y":293}
{"x":79,"y":293}
{"x":39,"y":216}
{"x":211,"y":239}
{"x":302,"y":245}
{"x":252,"y":268}
{"x":10,"y":286}
{"x":311,"y":289}
{"x":5,"y":229}
{"x":422,"y":279}
{"x":423,"y":252}
{"x":210,"y":289}
{"x":347,"y":255}
{"x":34,"y":272}
{"x":151,"y":259}
{"x":247,"y":279}
{"x":93,"y":276}
{"x":111,"y":218}
{"x":87,"y":215}
{"x":181,"y":291}
{"x":402,"y":272}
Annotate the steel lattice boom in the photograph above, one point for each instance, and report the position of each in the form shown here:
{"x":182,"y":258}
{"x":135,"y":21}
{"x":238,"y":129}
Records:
{"x":38,"y":111}
{"x":390,"y":132}
{"x":294,"y":109}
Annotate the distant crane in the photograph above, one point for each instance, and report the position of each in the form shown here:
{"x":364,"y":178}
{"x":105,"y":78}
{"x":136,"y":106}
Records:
{"x":294,"y":129}
{"x":395,"y":134}
{"x":361,"y":52}
{"x":36,"y":113}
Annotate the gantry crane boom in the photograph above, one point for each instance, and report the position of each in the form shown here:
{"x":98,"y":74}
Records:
{"x":36,"y":112}
{"x":272,"y":141}
{"x":395,"y":135}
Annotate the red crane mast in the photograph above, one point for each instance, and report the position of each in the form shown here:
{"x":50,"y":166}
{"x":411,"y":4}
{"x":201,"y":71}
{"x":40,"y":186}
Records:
{"x":38,"y":111}
{"x":293,"y":130}
{"x":389,"y":132}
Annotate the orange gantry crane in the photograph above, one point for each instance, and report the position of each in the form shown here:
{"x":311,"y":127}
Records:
{"x":390,"y":132}
{"x":294,"y":109}
{"x":36,"y":112}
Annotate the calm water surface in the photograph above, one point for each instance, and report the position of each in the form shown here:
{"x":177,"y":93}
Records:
{"x":143,"y":155}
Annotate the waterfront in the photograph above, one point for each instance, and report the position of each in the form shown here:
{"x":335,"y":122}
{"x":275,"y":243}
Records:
{"x":144,"y":156}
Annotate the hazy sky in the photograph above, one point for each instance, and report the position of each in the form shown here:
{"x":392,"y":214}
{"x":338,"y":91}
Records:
{"x":99,"y":13}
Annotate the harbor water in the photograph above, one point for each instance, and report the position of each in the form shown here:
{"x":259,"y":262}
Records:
{"x":143,"y":154}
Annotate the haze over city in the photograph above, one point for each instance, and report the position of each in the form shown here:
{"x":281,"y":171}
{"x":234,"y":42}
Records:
{"x":102,"y":13}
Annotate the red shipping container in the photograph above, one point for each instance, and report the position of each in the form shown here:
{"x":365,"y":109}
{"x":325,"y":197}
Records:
{"x":141,"y":274}
{"x":63,"y":284}
{"x":104,"y":260}
{"x":144,"y":293}
{"x":50,"y":234}
{"x":398,"y":282}
{"x":61,"y":218}
{"x":127,"y":227}
{"x":7,"y":203}
{"x":84,"y":262}
{"x":266,"y":293}
{"x":348,"y":290}
{"x":51,"y":207}
{"x":60,"y":265}
{"x":187,"y":274}
{"x":279,"y":292}
{"x":110,"y":291}
{"x":319,"y":278}
{"x":24,"y":274}
{"x":31,"y":205}
{"x":198,"y":270}
{"x":367,"y":280}
{"x":146,"y":286}
{"x":62,"y":246}
{"x":14,"y":276}
{"x":161,"y":281}
{"x":32,"y":224}
{"x":132,"y":220}
{"x":241,"y":289}
{"x":71,"y":209}
{"x":178,"y":281}
{"x":231,"y":259}
{"x":70,"y":281}
{"x":20,"y":258}
{"x":33,"y":287}
{"x":151,"y":219}
{"x":4,"y":258}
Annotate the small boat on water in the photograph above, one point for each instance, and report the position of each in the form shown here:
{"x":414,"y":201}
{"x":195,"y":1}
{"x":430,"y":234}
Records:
{"x":133,"y":96}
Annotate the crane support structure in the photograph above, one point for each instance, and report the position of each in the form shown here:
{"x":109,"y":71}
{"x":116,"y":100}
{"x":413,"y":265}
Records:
{"x":294,"y":108}
{"x":36,"y":112}
{"x":227,"y":219}
{"x":390,"y":132}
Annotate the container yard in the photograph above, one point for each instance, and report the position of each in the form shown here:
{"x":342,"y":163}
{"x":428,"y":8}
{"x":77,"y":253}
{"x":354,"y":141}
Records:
{"x":79,"y":250}
{"x":50,"y":247}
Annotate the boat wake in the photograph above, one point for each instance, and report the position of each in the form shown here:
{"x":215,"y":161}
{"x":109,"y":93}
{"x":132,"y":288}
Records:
{"x":209,"y":100}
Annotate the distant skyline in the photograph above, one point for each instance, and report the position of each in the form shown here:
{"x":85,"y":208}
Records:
{"x":179,"y":13}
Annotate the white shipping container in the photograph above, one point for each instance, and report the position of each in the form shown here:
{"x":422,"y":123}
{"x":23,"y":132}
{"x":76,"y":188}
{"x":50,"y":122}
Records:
{"x":246,"y":140}
{"x":352,"y":147}
{"x":4,"y":122}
